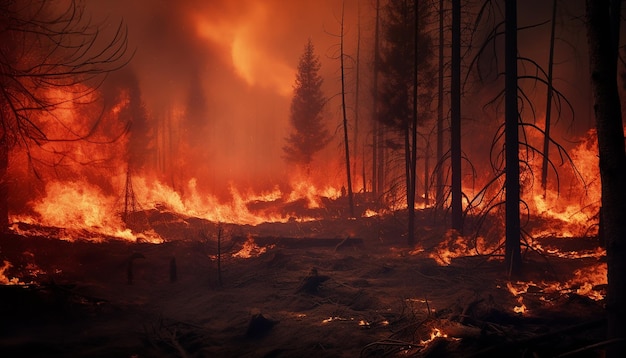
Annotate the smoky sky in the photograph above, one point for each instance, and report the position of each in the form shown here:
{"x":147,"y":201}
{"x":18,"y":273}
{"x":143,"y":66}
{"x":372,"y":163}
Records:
{"x":230,"y":64}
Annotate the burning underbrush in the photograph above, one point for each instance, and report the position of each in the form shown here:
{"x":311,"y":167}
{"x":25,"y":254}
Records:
{"x":327,"y":287}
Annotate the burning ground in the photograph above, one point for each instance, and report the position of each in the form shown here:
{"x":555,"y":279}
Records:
{"x":327,"y":287}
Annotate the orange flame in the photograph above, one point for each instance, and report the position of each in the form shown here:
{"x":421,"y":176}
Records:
{"x":5,"y":280}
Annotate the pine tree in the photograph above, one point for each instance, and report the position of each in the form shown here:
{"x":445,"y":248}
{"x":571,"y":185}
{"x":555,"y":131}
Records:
{"x":309,"y":134}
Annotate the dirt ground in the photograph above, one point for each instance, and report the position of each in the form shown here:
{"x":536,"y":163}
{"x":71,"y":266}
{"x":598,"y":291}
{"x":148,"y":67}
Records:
{"x":304,"y":292}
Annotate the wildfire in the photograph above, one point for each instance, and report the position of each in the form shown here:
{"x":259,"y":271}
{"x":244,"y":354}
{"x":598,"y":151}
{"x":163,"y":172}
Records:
{"x":436,"y":333}
{"x":454,"y":245}
{"x":4,"y":280}
{"x":250,"y":249}
{"x":585,"y":283}
{"x":522,"y":287}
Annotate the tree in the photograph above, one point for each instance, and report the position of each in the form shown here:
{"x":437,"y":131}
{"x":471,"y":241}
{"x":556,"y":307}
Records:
{"x":406,"y":48}
{"x":309,"y":134}
{"x":345,"y":116}
{"x":546,"y":140}
{"x":455,"y":120}
{"x":44,"y":49}
{"x":603,"y":35}
{"x":512,"y":256}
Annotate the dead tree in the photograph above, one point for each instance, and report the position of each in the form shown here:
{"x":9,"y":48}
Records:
{"x":512,"y":257}
{"x":546,"y":136}
{"x":602,"y":34}
{"x":46,"y":47}
{"x":345,"y":117}
{"x":455,"y":121}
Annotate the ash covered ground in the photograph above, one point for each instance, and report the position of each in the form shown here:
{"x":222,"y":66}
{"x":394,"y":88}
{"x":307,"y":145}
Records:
{"x":325,"y":288}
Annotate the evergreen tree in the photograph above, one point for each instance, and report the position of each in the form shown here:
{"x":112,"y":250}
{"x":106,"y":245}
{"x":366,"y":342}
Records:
{"x":309,"y":134}
{"x":407,"y":83}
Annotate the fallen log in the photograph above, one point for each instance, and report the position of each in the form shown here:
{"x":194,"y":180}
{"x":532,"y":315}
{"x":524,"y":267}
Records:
{"x":301,"y":242}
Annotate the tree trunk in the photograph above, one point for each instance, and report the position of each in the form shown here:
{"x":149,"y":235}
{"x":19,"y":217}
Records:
{"x":601,"y":35}
{"x":440,"y":117}
{"x":455,"y":121}
{"x":376,"y":127}
{"x":355,"y":135}
{"x":412,"y":157}
{"x":546,"y":138}
{"x":513,"y":257}
{"x":4,"y":185}
{"x":345,"y":121}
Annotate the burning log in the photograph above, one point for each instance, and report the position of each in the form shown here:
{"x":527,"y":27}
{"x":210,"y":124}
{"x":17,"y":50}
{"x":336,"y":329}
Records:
{"x":301,"y":242}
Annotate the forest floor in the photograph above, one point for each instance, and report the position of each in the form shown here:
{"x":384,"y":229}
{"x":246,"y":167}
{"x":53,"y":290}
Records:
{"x":303,"y":291}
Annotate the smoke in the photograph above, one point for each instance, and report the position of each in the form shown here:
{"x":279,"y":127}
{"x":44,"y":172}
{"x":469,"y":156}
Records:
{"x":216,"y":78}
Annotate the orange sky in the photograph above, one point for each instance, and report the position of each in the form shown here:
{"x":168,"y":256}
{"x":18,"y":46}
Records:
{"x":241,"y":56}
{"x":244,"y":54}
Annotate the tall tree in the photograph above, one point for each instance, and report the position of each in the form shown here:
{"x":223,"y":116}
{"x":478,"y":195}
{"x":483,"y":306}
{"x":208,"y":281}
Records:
{"x":603,"y":35}
{"x":357,"y":99}
{"x":455,"y":120}
{"x":345,"y":116}
{"x":377,"y":129}
{"x":44,"y":48}
{"x":440,"y":115}
{"x":309,"y":134}
{"x":406,"y":47}
{"x":513,"y":258}
{"x":546,"y":139}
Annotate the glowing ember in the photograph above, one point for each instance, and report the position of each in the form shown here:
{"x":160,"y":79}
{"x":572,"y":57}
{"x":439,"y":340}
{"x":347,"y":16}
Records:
{"x":436,"y":333}
{"x":369,"y":213}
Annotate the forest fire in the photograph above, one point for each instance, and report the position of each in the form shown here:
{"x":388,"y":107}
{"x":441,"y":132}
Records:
{"x":286,"y":178}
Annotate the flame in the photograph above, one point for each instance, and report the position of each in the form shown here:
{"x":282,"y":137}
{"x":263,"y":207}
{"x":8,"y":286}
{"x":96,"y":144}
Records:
{"x":5,"y":280}
{"x":250,"y":249}
{"x":454,"y":245}
{"x":522,"y":287}
{"x":583,"y":283}
{"x":435,"y":333}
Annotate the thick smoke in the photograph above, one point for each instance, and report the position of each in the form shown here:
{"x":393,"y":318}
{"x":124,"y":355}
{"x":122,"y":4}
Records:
{"x":216,"y":78}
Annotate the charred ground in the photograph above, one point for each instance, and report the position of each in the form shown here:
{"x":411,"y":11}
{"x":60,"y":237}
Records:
{"x":332,"y":287}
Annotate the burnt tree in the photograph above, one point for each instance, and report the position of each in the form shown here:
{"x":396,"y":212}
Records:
{"x":512,"y":257}
{"x":455,"y":121}
{"x":602,"y":17}
{"x":45,"y":48}
{"x":345,"y":117}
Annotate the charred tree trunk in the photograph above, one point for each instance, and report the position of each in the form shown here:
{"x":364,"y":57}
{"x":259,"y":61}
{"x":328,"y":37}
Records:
{"x":455,"y":122}
{"x":602,"y":37}
{"x":345,"y":121}
{"x":513,"y":257}
{"x":4,"y":185}
{"x":440,"y":117}
{"x":546,"y":138}
{"x":355,"y":135}
{"x":412,"y":157}
{"x":376,"y":127}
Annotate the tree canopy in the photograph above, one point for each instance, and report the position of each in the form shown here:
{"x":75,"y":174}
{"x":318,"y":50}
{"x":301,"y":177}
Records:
{"x":309,"y":134}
